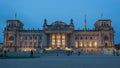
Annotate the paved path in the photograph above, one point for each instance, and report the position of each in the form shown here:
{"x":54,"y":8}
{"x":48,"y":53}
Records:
{"x":84,"y":61}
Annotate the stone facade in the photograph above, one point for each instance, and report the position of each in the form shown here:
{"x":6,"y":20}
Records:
{"x":58,"y":35}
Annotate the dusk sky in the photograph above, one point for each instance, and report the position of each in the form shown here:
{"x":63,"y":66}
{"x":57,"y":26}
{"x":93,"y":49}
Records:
{"x":33,"y":12}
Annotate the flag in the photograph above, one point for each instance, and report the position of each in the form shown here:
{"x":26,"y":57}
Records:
{"x":85,"y":24}
{"x":101,"y":15}
{"x":15,"y":16}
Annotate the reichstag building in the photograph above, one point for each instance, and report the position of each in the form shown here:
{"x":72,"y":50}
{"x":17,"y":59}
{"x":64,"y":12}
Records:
{"x":58,"y":36}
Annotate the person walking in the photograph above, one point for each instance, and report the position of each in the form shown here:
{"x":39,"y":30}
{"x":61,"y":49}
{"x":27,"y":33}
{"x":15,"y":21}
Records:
{"x":5,"y":52}
{"x":113,"y":52}
{"x":78,"y":53}
{"x":31,"y":53}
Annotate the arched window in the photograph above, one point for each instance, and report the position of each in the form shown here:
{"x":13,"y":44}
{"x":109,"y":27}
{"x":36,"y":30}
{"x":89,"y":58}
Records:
{"x":90,"y":38}
{"x":11,"y":38}
{"x":35,"y":37}
{"x":76,"y":44}
{"x":76,"y":38}
{"x":105,"y":37}
{"x":30,"y":37}
{"x":40,"y":38}
{"x":81,"y":38}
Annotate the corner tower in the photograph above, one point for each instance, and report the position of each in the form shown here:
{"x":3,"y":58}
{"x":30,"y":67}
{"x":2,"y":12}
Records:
{"x":11,"y":32}
{"x":106,"y":32}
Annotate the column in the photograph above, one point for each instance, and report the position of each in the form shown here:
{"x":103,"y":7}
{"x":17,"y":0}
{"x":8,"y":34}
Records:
{"x":32,"y":41}
{"x":50,"y":40}
{"x":100,"y":40}
{"x":27,"y":41}
{"x":18,"y":40}
{"x":55,"y":41}
{"x":37,"y":41}
{"x":61,"y":40}
{"x":65,"y":40}
{"x":23,"y":43}
{"x":5,"y":41}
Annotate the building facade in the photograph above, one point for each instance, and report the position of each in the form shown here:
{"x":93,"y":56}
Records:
{"x":58,"y":35}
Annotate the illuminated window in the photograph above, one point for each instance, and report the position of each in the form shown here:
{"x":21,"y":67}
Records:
{"x":95,"y":44}
{"x":95,"y":38}
{"x":63,"y":36}
{"x":76,"y":44}
{"x":53,"y":40}
{"x":85,"y":44}
{"x":53,"y":36}
{"x":81,"y":44}
{"x":58,"y":40}
{"x":63,"y":40}
{"x":58,"y":36}
{"x":90,"y":44}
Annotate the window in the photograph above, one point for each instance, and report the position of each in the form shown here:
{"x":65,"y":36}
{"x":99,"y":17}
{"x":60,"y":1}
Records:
{"x":63,"y":36}
{"x":35,"y":37}
{"x":76,"y":38}
{"x":25,"y":43}
{"x":21,"y":38}
{"x":30,"y":44}
{"x":11,"y":25}
{"x":105,"y":37}
{"x":30,"y":37}
{"x":11,"y":44}
{"x":106,"y":45}
{"x":40,"y":38}
{"x":81,"y":45}
{"x":90,"y":38}
{"x":25,"y":37}
{"x":11,"y":38}
{"x":95,"y":44}
{"x":76,"y":44}
{"x":81,"y":38}
{"x":35,"y":43}
{"x":20,"y":44}
{"x":90,"y":44}
{"x":40,"y":44}
{"x":85,"y":37}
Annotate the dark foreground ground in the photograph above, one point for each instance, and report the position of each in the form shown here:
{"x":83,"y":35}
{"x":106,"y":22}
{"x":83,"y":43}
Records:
{"x":83,"y":61}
